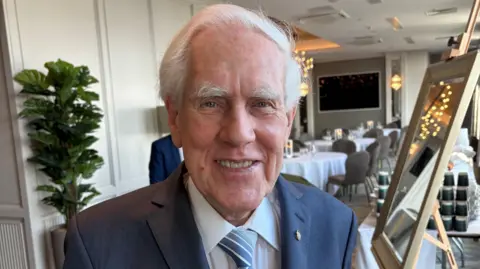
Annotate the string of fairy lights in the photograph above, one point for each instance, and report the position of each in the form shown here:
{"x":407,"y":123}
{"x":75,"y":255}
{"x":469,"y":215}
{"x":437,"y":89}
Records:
{"x":432,"y":120}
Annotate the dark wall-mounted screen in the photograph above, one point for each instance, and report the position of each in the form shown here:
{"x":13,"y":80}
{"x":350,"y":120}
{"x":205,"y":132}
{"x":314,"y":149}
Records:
{"x":349,"y":92}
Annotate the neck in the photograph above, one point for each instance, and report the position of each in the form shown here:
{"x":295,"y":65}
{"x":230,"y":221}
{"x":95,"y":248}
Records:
{"x":234,"y":218}
{"x":237,"y":220}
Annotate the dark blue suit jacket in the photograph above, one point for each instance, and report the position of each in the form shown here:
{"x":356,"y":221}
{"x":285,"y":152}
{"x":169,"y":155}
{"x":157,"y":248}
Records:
{"x":164,"y":159}
{"x":154,"y":228}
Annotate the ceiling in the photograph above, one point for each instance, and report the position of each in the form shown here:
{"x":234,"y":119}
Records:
{"x":362,"y":29}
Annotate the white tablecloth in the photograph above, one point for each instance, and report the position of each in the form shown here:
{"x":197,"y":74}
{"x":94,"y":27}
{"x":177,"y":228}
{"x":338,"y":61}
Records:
{"x":463,"y":138}
{"x":316,"y":169}
{"x":325,"y":145}
{"x":364,"y":258}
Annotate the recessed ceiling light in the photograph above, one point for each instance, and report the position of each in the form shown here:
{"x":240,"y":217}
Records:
{"x":396,"y":24}
{"x":441,"y":11}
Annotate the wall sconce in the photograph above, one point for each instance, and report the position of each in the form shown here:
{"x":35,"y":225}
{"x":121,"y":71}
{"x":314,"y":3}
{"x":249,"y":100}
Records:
{"x":306,"y":64}
{"x":396,"y":82}
{"x":304,"y":89}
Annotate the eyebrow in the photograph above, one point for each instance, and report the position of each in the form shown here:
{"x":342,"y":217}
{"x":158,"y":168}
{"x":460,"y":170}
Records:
{"x":209,"y":90}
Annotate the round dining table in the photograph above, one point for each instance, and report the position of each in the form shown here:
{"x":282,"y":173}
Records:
{"x":316,"y":168}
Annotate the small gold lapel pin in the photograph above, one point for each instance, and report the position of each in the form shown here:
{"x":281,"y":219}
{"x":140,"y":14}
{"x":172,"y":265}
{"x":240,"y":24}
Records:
{"x":298,"y":236}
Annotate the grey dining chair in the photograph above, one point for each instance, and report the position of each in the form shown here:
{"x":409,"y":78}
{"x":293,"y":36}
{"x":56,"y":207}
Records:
{"x":373,"y":133}
{"x":356,"y":167}
{"x":374,"y":151}
{"x":385,"y":143}
{"x":392,"y":125}
{"x":304,"y":137}
{"x":393,"y":142}
{"x":403,"y":133}
{"x":344,"y":145}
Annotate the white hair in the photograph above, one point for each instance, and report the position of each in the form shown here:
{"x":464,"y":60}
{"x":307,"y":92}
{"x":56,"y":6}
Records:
{"x":174,"y":67}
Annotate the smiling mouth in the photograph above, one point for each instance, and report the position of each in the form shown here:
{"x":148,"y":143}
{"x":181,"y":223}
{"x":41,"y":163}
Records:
{"x":236,"y":164}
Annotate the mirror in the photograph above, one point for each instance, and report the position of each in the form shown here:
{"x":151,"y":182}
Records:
{"x":430,"y":133}
{"x":441,"y":106}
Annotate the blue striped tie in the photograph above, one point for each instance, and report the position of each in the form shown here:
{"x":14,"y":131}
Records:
{"x":239,"y":247}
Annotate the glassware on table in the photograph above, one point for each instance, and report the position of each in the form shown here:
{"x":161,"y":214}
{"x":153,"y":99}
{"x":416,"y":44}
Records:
{"x":370,"y":124}
{"x":312,"y":148}
{"x":288,"y":150}
{"x":338,"y":134}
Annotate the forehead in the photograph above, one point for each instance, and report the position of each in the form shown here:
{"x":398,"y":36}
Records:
{"x":233,"y":56}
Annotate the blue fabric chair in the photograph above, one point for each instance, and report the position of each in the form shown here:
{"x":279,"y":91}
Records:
{"x":164,"y":159}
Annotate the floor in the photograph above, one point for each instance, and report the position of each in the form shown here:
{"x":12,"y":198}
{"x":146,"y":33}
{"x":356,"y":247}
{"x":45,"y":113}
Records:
{"x":472,"y":249}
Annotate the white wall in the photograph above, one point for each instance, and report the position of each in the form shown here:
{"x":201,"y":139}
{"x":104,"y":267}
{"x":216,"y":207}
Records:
{"x":414,"y":65}
{"x":122,"y":42}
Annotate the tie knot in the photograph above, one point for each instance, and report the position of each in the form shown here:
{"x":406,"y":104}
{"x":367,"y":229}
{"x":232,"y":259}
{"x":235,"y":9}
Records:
{"x":239,"y":247}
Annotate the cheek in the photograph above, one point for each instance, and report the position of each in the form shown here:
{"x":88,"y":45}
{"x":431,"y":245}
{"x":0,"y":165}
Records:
{"x":273,"y":133}
{"x":196,"y":131}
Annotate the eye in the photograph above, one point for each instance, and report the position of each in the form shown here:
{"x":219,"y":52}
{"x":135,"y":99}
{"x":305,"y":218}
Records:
{"x":209,"y":104}
{"x":263,"y":104}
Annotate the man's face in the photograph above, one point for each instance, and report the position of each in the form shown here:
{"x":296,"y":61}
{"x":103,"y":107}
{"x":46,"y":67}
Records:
{"x":233,"y":123}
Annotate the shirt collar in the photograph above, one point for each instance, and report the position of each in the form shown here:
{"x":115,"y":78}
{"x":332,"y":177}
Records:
{"x":213,"y":227}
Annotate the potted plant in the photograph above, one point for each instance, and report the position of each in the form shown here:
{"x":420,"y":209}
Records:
{"x":62,"y":119}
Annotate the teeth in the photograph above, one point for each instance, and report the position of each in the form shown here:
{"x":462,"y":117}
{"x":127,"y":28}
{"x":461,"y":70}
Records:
{"x":232,"y":164}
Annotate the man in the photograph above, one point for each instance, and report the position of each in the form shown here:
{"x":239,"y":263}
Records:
{"x":165,"y":157}
{"x":230,"y":86}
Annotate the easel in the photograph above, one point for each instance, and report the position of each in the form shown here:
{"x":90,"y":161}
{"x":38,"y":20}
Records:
{"x":443,"y":242}
{"x":460,"y":47}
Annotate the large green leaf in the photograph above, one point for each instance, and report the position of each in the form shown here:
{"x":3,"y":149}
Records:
{"x":32,"y":78}
{"x":43,"y":138}
{"x":48,"y":188}
{"x":55,"y":173}
{"x":84,"y":77}
{"x":87,"y":96}
{"x":40,"y":124}
{"x":36,"y":90}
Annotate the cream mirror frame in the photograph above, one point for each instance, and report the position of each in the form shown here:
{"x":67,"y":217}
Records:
{"x":430,"y":177}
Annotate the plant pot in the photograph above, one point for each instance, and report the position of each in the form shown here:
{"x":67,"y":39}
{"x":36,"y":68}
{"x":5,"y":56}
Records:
{"x":58,"y":239}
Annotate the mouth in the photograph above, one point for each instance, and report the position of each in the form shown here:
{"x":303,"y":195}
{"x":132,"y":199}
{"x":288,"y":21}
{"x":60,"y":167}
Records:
{"x":237,"y":164}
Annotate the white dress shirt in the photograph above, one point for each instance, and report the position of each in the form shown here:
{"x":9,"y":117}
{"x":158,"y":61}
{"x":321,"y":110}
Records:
{"x":263,"y":228}
{"x":180,"y":151}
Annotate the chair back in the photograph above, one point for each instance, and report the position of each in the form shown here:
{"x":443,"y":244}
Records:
{"x":304,"y":137}
{"x":374,"y":151}
{"x":384,"y":142}
{"x":325,"y":131}
{"x":373,"y":133}
{"x":297,"y":145}
{"x":403,"y":133}
{"x":344,"y":145}
{"x":393,"y":139}
{"x":392,"y":125}
{"x":357,"y":167}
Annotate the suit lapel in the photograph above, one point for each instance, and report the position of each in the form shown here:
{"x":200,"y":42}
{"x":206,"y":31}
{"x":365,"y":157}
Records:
{"x":294,"y":226}
{"x":174,"y":227}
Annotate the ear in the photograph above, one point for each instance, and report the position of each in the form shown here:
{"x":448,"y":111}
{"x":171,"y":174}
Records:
{"x":290,"y":117}
{"x":173,"y":122}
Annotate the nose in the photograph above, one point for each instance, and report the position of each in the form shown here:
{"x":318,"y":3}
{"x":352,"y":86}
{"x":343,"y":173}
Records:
{"x":237,"y":127}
